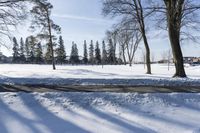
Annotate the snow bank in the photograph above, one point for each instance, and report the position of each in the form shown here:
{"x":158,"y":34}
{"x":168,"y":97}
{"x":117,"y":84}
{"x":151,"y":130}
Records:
{"x":96,"y":75}
{"x":99,"y":112}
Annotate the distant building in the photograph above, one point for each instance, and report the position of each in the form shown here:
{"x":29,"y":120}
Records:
{"x":196,"y":60}
{"x":165,"y":61}
{"x":191,"y":60}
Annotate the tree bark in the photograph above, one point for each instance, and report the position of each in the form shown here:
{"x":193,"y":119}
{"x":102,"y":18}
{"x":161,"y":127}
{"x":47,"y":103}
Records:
{"x":51,"y":42}
{"x":123,"y":54}
{"x":140,"y":16}
{"x":177,"y":53}
{"x":148,"y":60}
{"x":174,"y":21}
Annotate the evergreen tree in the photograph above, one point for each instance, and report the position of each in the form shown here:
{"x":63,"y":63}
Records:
{"x":16,"y":54}
{"x":32,"y":42}
{"x":48,"y":55}
{"x":91,"y":53}
{"x":60,"y":51}
{"x":85,"y":53}
{"x":104,"y":53}
{"x":74,"y":57}
{"x":111,"y":53}
{"x":27,"y":50}
{"x":42,"y":18}
{"x":22,"y":51}
{"x":32,"y":57}
{"x":38,"y":54}
{"x":97,"y":53}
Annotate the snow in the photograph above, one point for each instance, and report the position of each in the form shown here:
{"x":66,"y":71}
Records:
{"x":93,"y":75}
{"x":99,"y":112}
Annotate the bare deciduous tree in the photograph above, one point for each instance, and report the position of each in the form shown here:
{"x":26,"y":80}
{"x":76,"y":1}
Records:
{"x":12,"y":12}
{"x":182,"y":18}
{"x":132,"y":46}
{"x":174,"y":13}
{"x":134,"y":10}
{"x":129,"y":40}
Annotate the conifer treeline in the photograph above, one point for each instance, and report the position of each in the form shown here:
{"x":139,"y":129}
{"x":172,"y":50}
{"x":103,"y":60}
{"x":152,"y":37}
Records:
{"x":31,"y":51}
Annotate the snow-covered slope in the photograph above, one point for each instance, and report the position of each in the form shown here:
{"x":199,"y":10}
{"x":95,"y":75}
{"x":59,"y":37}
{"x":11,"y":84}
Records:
{"x":99,"y":113}
{"x":67,"y":74}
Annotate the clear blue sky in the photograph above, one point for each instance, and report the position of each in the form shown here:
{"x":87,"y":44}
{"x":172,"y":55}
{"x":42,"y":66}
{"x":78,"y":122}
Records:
{"x":82,"y":20}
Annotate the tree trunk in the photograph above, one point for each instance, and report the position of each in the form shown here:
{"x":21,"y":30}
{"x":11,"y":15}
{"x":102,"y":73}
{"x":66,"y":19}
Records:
{"x":148,"y":60}
{"x":51,"y":42}
{"x":174,"y":20}
{"x":140,"y":16}
{"x":124,"y":58}
{"x":176,"y":50}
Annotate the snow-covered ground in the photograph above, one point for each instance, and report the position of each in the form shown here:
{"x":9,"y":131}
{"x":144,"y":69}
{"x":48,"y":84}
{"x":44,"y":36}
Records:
{"x":99,"y":113}
{"x":67,"y":74}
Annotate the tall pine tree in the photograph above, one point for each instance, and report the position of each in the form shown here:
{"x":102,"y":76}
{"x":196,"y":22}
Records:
{"x":111,"y":52}
{"x":60,"y":51}
{"x":85,"y":53}
{"x":27,"y":50}
{"x":104,"y":53}
{"x":74,"y":57}
{"x":97,"y":53}
{"x":16,"y":54}
{"x":42,"y":18}
{"x":22,"y":51}
{"x":32,"y":42}
{"x":91,"y":53}
{"x":48,"y":55}
{"x":38,"y":54}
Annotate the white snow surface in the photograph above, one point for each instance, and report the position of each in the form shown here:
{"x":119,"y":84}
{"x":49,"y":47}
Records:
{"x":99,"y":113}
{"x":92,"y":75}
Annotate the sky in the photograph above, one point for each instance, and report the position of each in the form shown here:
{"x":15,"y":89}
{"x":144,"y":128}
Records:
{"x":82,"y":20}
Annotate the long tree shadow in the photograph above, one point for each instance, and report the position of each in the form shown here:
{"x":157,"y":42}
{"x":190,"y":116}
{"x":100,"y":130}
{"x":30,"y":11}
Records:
{"x":182,"y":100}
{"x":48,"y":119}
{"x":129,"y":126}
{"x":56,"y":124}
{"x":3,"y":128}
{"x":16,"y":116}
{"x":164,"y":97}
{"x":135,"y":110}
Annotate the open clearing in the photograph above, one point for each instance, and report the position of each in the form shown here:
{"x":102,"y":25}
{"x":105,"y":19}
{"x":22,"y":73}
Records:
{"x":96,"y":75}
{"x":47,"y":110}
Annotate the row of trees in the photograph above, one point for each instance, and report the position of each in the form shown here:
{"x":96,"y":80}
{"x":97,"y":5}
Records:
{"x":178,"y":17}
{"x":13,"y":12}
{"x":94,"y":54}
{"x":32,"y":51}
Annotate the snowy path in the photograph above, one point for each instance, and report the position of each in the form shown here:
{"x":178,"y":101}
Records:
{"x":99,"y":113}
{"x":97,"y":88}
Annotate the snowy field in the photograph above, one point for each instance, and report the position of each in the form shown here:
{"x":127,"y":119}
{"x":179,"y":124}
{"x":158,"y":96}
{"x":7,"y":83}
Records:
{"x":62,"y":112}
{"x":99,"y":113}
{"x":67,"y":74}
